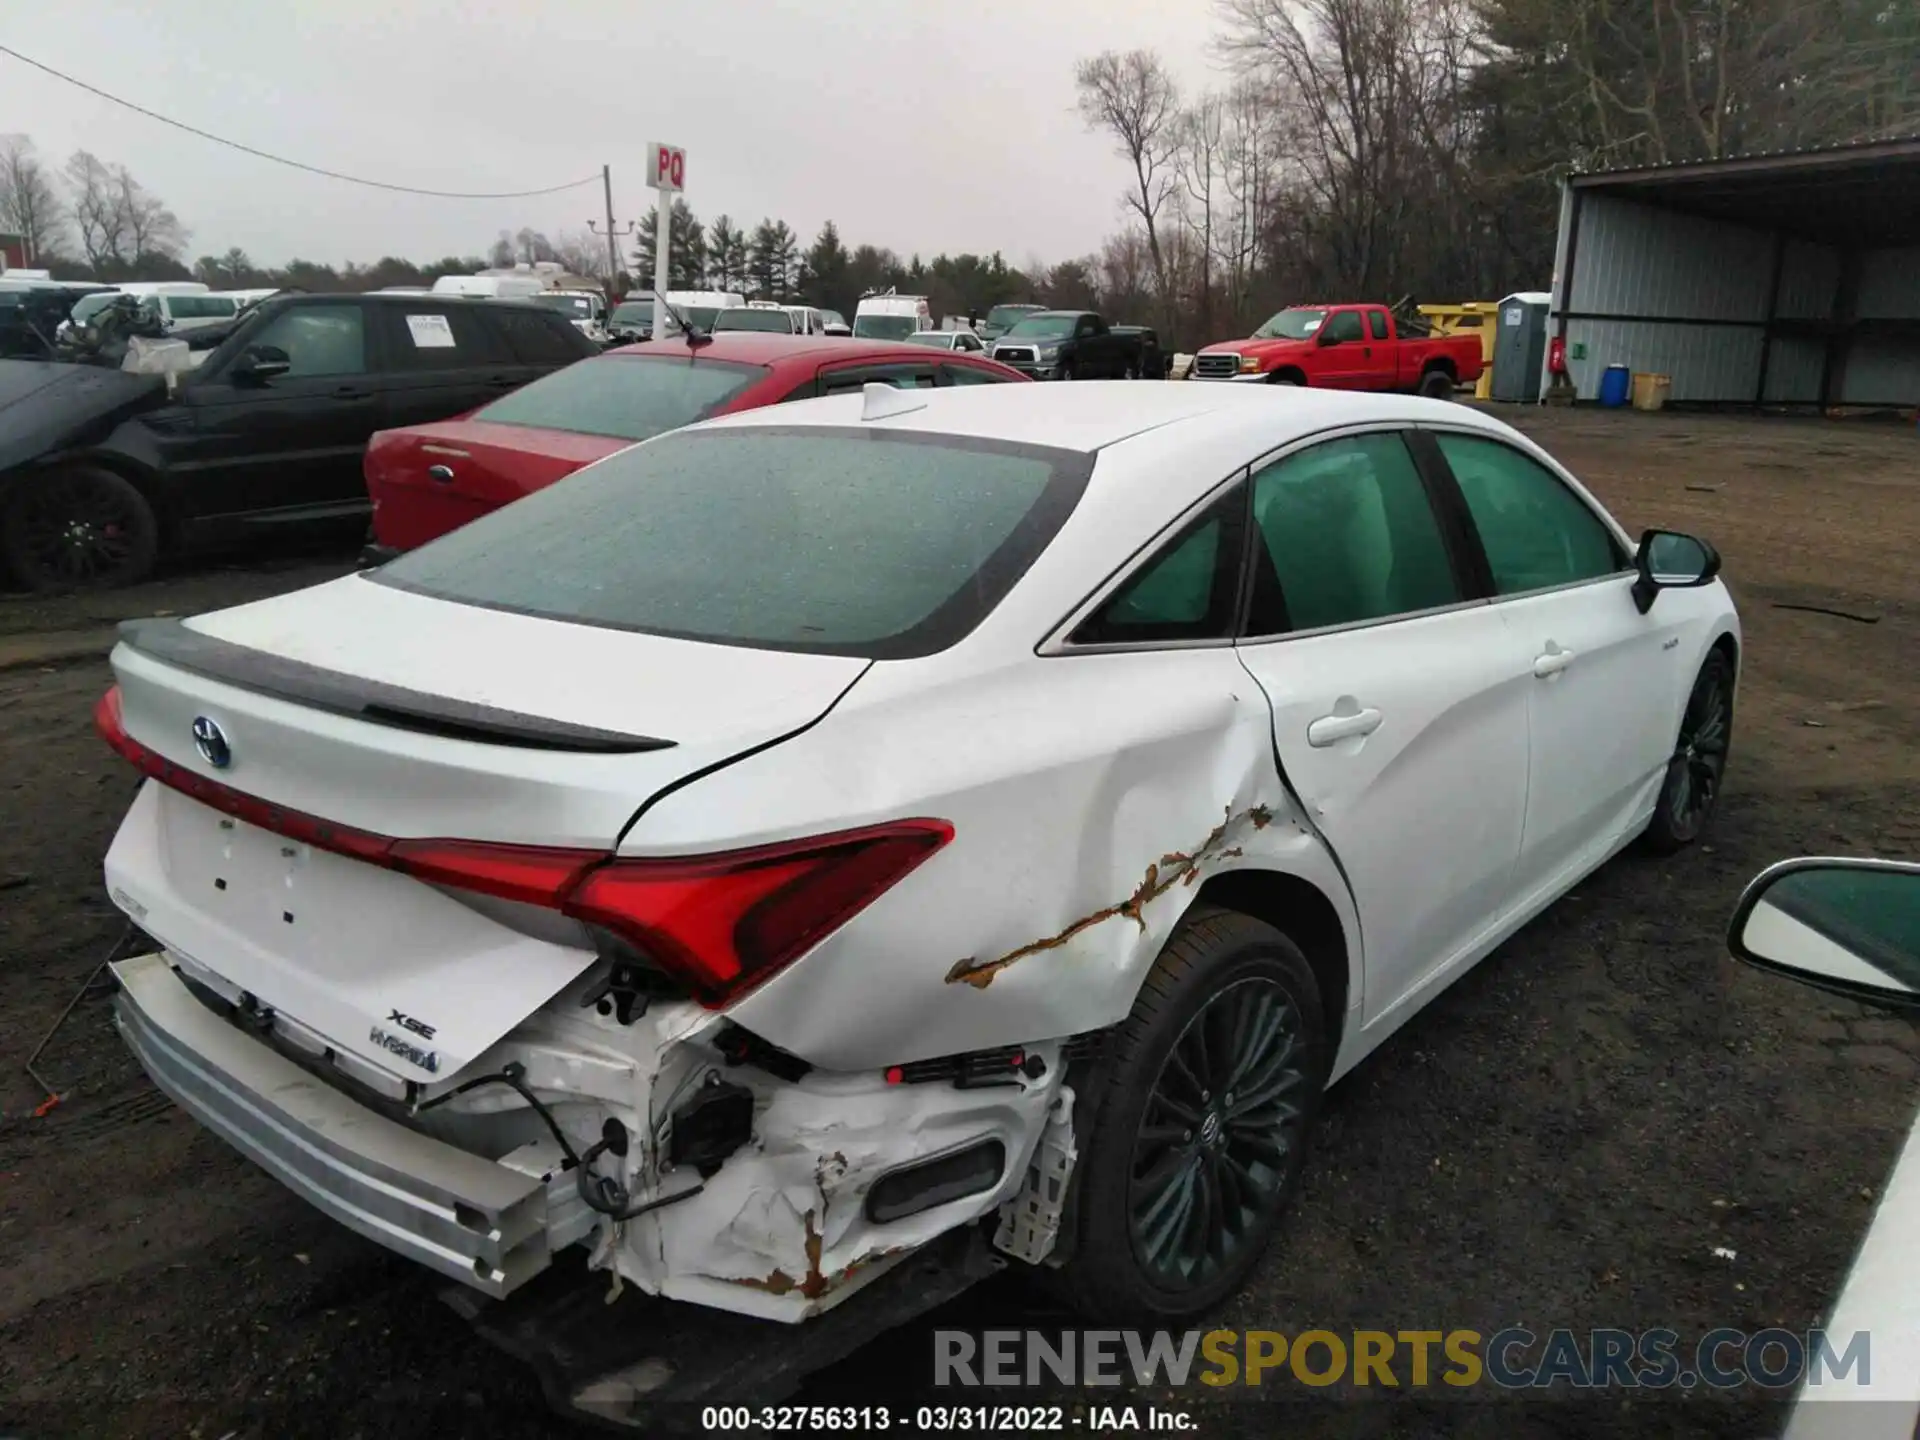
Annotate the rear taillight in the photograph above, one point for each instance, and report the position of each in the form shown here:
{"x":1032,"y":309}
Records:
{"x":722,"y":923}
{"x":719,"y":923}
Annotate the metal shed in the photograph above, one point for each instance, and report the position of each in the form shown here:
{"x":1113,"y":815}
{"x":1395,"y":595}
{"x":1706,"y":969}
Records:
{"x":1787,"y":279}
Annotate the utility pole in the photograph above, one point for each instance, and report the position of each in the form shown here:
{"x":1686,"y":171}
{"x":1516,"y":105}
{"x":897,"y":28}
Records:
{"x":614,"y":267}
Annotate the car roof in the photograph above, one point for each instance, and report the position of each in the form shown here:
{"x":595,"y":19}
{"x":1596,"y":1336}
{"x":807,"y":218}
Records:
{"x":1096,"y":415}
{"x":764,"y":347}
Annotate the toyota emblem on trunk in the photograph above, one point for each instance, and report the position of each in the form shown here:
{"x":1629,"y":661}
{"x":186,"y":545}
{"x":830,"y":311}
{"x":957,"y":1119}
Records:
{"x":211,"y":741}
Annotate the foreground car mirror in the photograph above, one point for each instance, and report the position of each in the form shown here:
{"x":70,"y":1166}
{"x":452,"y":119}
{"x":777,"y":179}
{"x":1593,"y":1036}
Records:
{"x":1851,"y":927}
{"x":260,"y":363}
{"x":1670,"y":560}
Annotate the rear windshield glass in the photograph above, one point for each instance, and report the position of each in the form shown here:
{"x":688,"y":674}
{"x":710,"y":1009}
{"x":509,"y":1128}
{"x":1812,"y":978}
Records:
{"x":774,"y":322}
{"x":1044,"y":327}
{"x":627,"y":396}
{"x":836,"y":541}
{"x":884,"y":327}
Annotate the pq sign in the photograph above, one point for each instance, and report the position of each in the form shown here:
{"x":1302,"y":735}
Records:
{"x":666,"y":167}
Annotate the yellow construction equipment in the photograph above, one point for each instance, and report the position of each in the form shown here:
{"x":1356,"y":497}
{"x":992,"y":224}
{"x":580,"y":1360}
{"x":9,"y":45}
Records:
{"x":1471,"y":317}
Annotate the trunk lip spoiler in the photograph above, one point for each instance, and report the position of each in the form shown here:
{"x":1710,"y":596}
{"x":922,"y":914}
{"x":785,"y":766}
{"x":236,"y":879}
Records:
{"x":373,"y":701}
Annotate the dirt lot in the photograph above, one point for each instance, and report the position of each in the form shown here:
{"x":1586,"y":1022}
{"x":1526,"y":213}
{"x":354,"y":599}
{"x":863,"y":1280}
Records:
{"x":1561,"y":1140}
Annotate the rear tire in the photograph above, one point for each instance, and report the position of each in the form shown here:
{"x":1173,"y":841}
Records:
{"x":77,"y":528}
{"x":1436,"y":385}
{"x":1691,"y":792}
{"x":1180,"y":1184}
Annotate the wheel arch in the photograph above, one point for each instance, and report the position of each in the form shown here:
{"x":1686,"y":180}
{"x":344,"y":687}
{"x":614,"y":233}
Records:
{"x":144,"y":476}
{"x":1287,"y":375}
{"x":1304,"y":913}
{"x":1443,"y":363}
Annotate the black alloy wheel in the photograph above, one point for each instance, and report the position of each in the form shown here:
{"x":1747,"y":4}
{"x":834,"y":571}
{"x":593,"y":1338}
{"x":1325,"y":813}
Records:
{"x":1223,"y":1128}
{"x":78,"y":528}
{"x":1696,"y":771}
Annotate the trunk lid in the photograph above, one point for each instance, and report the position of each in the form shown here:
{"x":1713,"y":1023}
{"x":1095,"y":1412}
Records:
{"x":489,"y":465}
{"x":407,"y":717}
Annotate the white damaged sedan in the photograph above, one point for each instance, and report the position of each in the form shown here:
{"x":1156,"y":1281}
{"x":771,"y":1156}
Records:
{"x":800,"y":836}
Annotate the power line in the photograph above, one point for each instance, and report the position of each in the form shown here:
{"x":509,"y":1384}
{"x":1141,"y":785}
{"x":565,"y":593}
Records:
{"x":295,"y":164}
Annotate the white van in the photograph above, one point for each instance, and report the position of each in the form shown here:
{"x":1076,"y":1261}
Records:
{"x":587,"y":309}
{"x":701,"y":306}
{"x":490,"y":287}
{"x":181,"y":304}
{"x":891,"y":317}
{"x":807,"y":320}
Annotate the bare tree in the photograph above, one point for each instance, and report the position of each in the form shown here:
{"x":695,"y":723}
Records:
{"x":1134,"y":99}
{"x":30,"y":205}
{"x":584,"y":254}
{"x":1202,"y":151}
{"x":151,"y":228}
{"x":96,"y":211}
{"x":1251,"y":157}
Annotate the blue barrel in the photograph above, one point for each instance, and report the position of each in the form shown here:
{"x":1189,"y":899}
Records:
{"x":1616,"y":386}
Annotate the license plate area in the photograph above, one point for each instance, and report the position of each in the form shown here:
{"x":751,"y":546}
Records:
{"x":248,"y":879}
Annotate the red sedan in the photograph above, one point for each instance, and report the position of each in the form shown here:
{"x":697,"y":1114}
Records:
{"x":428,"y":479}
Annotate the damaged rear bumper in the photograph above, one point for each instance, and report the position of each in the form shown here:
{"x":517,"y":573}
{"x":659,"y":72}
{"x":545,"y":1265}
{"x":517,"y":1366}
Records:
{"x":464,"y":1216}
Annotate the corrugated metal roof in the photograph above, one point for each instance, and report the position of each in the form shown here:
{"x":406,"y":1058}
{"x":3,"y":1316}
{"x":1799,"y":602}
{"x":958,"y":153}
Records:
{"x":1851,"y":150}
{"x":1861,"y":195}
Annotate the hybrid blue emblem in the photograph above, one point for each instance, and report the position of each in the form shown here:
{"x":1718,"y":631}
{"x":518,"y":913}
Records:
{"x":211,"y":741}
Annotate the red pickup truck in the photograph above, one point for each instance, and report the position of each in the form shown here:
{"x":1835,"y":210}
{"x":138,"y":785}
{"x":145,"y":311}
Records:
{"x":1343,"y":347}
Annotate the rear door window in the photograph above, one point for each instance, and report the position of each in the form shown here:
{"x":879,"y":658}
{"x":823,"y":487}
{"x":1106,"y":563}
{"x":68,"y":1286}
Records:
{"x":537,"y":337}
{"x":628,"y":396}
{"x":442,"y":337}
{"x":886,"y":544}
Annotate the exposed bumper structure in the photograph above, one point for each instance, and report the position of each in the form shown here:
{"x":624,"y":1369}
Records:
{"x":462,"y":1215}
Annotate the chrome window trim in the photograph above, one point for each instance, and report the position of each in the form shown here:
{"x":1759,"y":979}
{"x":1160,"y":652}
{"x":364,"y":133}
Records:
{"x":1251,"y":641}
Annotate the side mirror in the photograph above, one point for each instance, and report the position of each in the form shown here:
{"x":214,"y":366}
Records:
{"x":1669,"y":560}
{"x":1324,"y":336}
{"x":1850,"y":927}
{"x":260,"y":363}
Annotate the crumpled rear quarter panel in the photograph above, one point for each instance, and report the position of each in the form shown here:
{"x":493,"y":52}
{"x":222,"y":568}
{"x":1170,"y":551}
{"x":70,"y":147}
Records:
{"x":1090,"y":794}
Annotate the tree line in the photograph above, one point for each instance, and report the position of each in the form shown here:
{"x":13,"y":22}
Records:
{"x":1379,"y":149}
{"x":1358,"y":149}
{"x":92,"y":220}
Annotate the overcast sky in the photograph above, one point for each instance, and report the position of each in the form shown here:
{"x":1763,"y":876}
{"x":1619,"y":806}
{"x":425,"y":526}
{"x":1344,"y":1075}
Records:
{"x":925,"y":127}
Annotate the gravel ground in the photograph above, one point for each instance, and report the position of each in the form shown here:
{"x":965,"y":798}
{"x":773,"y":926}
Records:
{"x":1562,"y":1139}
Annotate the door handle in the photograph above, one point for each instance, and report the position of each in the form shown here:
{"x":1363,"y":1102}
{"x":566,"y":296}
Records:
{"x":442,"y":473}
{"x":502,"y":382}
{"x":1332,"y":729}
{"x":1547,"y":665}
{"x":350,"y":392}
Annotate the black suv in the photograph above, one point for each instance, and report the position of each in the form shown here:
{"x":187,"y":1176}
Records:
{"x":102,"y":471}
